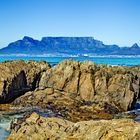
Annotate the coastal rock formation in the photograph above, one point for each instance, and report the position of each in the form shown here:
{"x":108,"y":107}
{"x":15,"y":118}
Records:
{"x":79,"y":91}
{"x":18,"y":77}
{"x":37,"y":127}
{"x":77,"y":94}
{"x":63,"y":76}
{"x":116,"y":86}
{"x":110,"y":88}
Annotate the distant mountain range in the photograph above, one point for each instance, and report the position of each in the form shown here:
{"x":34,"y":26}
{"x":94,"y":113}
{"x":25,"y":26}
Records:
{"x":66,"y":46}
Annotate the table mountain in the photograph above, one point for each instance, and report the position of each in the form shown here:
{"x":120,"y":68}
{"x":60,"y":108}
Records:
{"x":67,"y":45}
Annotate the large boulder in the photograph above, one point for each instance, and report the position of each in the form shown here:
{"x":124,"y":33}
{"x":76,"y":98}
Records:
{"x":18,"y":77}
{"x":64,"y":76}
{"x":37,"y":127}
{"x":121,"y":92}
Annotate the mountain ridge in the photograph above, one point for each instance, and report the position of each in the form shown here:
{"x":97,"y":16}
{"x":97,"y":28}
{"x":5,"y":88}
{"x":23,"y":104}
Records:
{"x":68,"y":46}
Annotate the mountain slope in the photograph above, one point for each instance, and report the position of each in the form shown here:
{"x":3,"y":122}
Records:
{"x":67,"y":45}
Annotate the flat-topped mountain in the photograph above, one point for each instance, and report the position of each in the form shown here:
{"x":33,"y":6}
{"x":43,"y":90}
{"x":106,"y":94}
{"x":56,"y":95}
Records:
{"x":68,"y":46}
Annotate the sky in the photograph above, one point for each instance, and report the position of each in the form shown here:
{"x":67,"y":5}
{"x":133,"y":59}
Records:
{"x":111,"y":21}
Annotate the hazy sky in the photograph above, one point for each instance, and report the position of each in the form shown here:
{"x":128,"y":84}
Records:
{"x":111,"y":21}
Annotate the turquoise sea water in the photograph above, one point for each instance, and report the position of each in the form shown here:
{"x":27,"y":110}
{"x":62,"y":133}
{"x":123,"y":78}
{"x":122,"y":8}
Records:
{"x":124,"y":61}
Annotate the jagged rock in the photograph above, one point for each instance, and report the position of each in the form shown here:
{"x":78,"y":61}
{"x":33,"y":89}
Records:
{"x":18,"y":77}
{"x":120,"y":87}
{"x":75,"y":91}
{"x":37,"y":127}
{"x":88,"y":81}
{"x":63,"y":76}
{"x":110,"y":88}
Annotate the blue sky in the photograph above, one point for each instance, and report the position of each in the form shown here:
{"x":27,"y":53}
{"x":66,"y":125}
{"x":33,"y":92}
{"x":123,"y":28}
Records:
{"x":111,"y":21}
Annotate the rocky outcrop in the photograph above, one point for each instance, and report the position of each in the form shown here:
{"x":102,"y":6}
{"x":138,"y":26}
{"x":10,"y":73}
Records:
{"x":116,"y":86}
{"x":83,"y":91}
{"x":112,"y":88}
{"x":64,"y":76}
{"x":76,"y":93}
{"x":37,"y":127}
{"x":18,"y":77}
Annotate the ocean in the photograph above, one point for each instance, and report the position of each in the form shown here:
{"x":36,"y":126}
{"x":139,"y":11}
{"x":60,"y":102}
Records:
{"x":122,"y":61}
